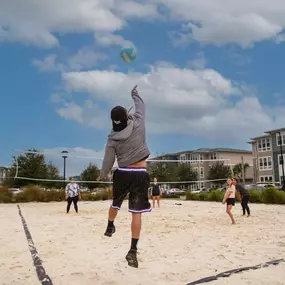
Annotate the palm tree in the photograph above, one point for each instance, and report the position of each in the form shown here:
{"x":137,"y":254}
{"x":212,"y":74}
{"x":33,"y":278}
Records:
{"x":237,"y":169}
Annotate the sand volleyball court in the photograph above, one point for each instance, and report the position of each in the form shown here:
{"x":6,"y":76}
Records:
{"x":179,"y":244}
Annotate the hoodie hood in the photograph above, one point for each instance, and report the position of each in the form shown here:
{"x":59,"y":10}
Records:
{"x":123,"y":134}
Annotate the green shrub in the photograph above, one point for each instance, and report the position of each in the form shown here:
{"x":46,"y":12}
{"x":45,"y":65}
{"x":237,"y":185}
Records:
{"x":192,"y":196}
{"x":203,"y":196}
{"x":170,"y":196}
{"x":255,"y":196}
{"x":271,"y":196}
{"x":216,"y":196}
{"x":5,"y":195}
{"x":280,"y":197}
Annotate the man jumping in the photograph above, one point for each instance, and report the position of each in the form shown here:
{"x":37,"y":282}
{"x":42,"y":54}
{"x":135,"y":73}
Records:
{"x":127,"y":142}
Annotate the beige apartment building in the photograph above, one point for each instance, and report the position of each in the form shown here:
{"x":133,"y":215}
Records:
{"x":267,"y":163}
{"x":202,"y":159}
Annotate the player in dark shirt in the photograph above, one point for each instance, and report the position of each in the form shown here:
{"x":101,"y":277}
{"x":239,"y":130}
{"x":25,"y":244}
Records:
{"x":155,"y":193}
{"x":244,"y":195}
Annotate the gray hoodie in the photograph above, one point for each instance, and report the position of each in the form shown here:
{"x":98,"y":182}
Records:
{"x":129,"y":145}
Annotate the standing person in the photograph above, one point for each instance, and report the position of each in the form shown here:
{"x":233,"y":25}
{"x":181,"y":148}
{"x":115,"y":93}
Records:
{"x":244,"y":196}
{"x":155,"y":193}
{"x":127,"y":142}
{"x":72,"y":194}
{"x":229,"y":198}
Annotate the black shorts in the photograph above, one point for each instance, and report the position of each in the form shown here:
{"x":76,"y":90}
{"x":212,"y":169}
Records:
{"x":231,"y":201}
{"x":135,"y":182}
{"x":155,"y":194}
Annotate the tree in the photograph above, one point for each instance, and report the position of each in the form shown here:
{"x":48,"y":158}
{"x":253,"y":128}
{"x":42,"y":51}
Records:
{"x":237,"y":169}
{"x":219,"y":171}
{"x":91,"y":173}
{"x":186,"y":173}
{"x":164,"y":172}
{"x":31,"y":165}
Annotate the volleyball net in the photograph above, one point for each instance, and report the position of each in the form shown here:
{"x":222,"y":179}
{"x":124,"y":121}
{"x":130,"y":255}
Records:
{"x":57,"y":167}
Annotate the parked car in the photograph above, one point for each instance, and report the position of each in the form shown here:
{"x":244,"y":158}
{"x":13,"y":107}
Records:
{"x":15,"y":191}
{"x":174,"y":191}
{"x":197,"y":191}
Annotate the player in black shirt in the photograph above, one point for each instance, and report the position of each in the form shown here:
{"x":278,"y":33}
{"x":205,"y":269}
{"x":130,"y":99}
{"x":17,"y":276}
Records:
{"x":244,"y":195}
{"x":155,"y":193}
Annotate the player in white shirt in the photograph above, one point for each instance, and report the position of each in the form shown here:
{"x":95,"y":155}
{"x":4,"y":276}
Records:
{"x":72,"y":194}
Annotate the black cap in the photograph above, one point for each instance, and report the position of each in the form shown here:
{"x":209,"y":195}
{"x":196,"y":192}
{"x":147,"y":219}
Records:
{"x":119,"y":117}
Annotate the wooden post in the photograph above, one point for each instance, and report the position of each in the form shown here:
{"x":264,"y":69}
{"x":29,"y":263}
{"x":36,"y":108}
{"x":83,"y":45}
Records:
{"x":242,"y":170}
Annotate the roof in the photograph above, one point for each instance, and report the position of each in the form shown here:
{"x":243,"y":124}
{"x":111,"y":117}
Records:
{"x":205,"y":150}
{"x":267,"y":133}
{"x":260,"y":137}
{"x":275,"y":131}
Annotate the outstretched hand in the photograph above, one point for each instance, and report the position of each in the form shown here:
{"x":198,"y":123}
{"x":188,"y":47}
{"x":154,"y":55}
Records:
{"x":134,"y":90}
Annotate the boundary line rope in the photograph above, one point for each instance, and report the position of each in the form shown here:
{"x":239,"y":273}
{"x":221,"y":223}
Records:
{"x":235,"y":271}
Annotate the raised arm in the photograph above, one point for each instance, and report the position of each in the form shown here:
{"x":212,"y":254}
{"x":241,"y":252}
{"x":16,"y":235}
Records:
{"x":139,"y":104}
{"x":108,"y":162}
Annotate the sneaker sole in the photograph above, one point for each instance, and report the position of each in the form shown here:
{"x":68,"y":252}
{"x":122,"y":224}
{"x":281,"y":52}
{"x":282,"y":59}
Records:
{"x":130,"y":262}
{"x":107,"y":234}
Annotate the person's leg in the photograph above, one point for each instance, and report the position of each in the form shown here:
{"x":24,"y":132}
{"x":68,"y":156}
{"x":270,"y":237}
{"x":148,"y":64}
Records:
{"x":138,"y":204}
{"x":246,"y":205}
{"x":229,"y":212}
{"x":153,"y":201}
{"x":75,"y":200}
{"x":243,"y":205}
{"x":69,"y":201}
{"x":158,"y":201}
{"x":119,"y":194}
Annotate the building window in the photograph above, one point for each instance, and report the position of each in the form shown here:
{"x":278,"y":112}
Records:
{"x":265,"y":163}
{"x":280,"y":140}
{"x":201,"y":172}
{"x":279,"y":159}
{"x":267,"y":178}
{"x":264,"y":144}
{"x":213,"y":156}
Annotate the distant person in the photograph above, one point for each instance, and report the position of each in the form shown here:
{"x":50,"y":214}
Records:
{"x":72,"y":194}
{"x":155,"y":193}
{"x":244,"y":196}
{"x":229,"y":198}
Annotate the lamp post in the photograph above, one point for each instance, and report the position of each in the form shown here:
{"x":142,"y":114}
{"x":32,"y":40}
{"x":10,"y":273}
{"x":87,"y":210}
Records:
{"x":282,"y":160}
{"x":64,"y":156}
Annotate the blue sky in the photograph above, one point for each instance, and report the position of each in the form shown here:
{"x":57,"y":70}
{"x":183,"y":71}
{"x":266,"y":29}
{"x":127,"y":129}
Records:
{"x":233,"y":86}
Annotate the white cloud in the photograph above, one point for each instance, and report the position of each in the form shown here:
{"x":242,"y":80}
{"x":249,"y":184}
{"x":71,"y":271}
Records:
{"x":85,"y":58}
{"x":200,"y":103}
{"x":210,"y":21}
{"x":37,"y":22}
{"x":222,"y":22}
{"x":48,"y":64}
{"x":199,"y":62}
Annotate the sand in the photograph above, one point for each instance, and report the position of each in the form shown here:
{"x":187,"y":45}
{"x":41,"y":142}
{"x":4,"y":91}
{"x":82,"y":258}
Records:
{"x":179,"y":244}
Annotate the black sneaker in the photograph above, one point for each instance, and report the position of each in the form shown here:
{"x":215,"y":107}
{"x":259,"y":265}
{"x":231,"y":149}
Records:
{"x":110,"y":231}
{"x":131,"y":258}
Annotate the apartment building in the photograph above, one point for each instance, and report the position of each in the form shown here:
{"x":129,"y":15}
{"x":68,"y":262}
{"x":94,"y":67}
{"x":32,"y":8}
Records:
{"x":3,"y":174}
{"x":267,"y":159}
{"x":202,"y":159}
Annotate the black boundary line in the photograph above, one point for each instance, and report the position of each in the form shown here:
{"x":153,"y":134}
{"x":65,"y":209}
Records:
{"x":41,"y":273}
{"x":235,"y":271}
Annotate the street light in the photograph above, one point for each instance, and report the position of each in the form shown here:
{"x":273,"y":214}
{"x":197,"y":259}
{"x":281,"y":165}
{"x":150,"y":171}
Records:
{"x":281,"y":159}
{"x":64,"y":156}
